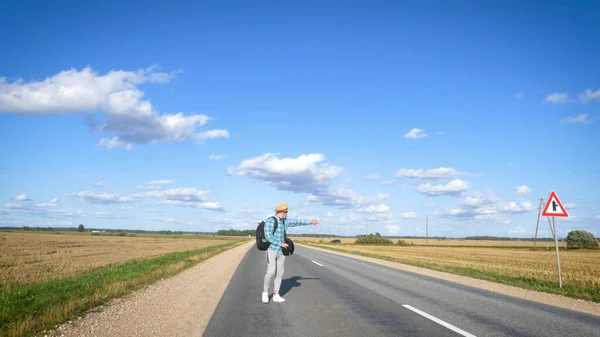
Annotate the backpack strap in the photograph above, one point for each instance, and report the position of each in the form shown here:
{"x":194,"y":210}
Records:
{"x":276,"y":223}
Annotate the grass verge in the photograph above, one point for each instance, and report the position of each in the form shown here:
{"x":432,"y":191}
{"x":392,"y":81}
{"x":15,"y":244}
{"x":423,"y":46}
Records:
{"x":27,"y":310}
{"x":573,"y":291}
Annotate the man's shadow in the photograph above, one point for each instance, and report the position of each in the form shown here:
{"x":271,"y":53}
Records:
{"x":292,"y":282}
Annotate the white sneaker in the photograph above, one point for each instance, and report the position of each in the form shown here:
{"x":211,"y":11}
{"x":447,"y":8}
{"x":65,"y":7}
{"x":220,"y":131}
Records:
{"x":265,"y":297}
{"x":278,"y":298}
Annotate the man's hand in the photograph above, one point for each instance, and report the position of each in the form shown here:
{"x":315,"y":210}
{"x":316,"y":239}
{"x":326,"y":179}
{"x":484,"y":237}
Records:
{"x":314,"y":222}
{"x":284,"y":245}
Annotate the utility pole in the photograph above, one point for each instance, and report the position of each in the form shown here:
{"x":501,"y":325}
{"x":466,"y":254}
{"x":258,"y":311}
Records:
{"x":426,"y":229}
{"x":557,"y":257}
{"x":538,"y":222}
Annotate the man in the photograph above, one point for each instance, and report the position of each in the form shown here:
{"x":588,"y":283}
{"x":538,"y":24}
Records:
{"x":275,"y":257}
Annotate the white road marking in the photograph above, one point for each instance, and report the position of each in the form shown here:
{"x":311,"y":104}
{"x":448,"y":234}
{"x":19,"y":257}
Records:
{"x":317,"y":263}
{"x":439,"y":321}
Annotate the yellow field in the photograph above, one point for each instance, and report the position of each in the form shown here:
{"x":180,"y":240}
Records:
{"x":449,"y":242}
{"x":29,"y":258}
{"x":580,"y":268}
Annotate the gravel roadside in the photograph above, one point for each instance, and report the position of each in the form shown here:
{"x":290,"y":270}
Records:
{"x":178,"y":306}
{"x":536,"y":296}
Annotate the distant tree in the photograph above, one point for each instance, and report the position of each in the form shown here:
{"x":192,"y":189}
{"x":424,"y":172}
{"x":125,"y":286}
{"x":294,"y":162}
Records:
{"x":376,"y":239}
{"x":581,"y":239}
{"x":236,"y":232}
{"x":80,"y":228}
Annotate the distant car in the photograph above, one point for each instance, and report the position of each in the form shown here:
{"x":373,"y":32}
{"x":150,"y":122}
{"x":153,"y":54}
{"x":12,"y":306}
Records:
{"x":335,"y":241}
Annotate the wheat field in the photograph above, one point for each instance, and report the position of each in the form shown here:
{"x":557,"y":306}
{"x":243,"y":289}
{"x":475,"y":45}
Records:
{"x":28,"y":258}
{"x":581,"y":268}
{"x":448,"y":242}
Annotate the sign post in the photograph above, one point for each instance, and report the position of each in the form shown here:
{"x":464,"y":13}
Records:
{"x":554,"y":208}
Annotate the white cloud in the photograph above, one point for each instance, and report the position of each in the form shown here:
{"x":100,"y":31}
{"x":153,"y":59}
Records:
{"x":580,"y":119}
{"x":100,"y":183}
{"x":216,"y":157}
{"x":156,"y":184}
{"x":73,"y":91}
{"x":33,"y":207}
{"x":21,"y":197}
{"x":438,"y":173}
{"x":589,"y":95}
{"x":513,"y":207}
{"x":59,"y":223}
{"x":227,"y":223}
{"x":415,"y":133}
{"x":350,"y":218}
{"x":388,"y":182}
{"x":212,"y":134}
{"x":344,"y":198}
{"x":128,"y":116}
{"x":523,"y":190}
{"x":300,"y":174}
{"x":376,"y":213}
{"x":160,"y":183}
{"x":178,"y":194}
{"x":100,"y":215}
{"x":114,"y":143}
{"x":379,"y":217}
{"x":485,"y":206}
{"x":381,"y":208}
{"x":455,"y":187}
{"x":212,"y":205}
{"x":329,"y":214}
{"x":409,"y":215}
{"x":52,"y":203}
{"x":49,"y":209}
{"x":517,"y":230}
{"x":307,"y":173}
{"x":101,"y":198}
{"x":393,"y":229}
{"x":372,"y":177}
{"x":346,"y":181}
{"x":570,"y":205}
{"x":558,"y":98}
{"x":183,"y":197}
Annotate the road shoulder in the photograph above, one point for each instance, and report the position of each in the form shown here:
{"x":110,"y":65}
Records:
{"x":535,"y":296}
{"x":181,"y":305}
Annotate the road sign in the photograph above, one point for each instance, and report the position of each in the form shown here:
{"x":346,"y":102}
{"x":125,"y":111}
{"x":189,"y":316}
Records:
{"x":554,"y":207}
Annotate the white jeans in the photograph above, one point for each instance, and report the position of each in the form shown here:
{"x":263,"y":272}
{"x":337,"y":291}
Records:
{"x":275,"y":262}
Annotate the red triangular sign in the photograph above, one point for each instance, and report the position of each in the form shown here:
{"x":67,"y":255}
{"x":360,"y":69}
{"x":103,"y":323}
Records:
{"x":554,"y":207}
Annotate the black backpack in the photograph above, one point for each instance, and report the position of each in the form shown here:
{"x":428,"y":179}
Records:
{"x":263,"y":244}
{"x":261,"y":241}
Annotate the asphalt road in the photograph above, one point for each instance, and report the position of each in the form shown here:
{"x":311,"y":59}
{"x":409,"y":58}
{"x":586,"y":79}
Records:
{"x":332,"y":295}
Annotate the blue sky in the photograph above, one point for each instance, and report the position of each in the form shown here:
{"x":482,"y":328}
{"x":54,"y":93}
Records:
{"x":364,"y":115}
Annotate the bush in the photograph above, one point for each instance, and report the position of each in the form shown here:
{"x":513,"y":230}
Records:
{"x":376,"y":239}
{"x":581,"y":239}
{"x":404,"y":243}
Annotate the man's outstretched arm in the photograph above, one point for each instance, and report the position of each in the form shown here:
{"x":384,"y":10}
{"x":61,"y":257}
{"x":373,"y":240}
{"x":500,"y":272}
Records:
{"x":298,"y":222}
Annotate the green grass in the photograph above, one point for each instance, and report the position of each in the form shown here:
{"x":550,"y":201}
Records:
{"x":26,"y":310}
{"x":573,"y":291}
